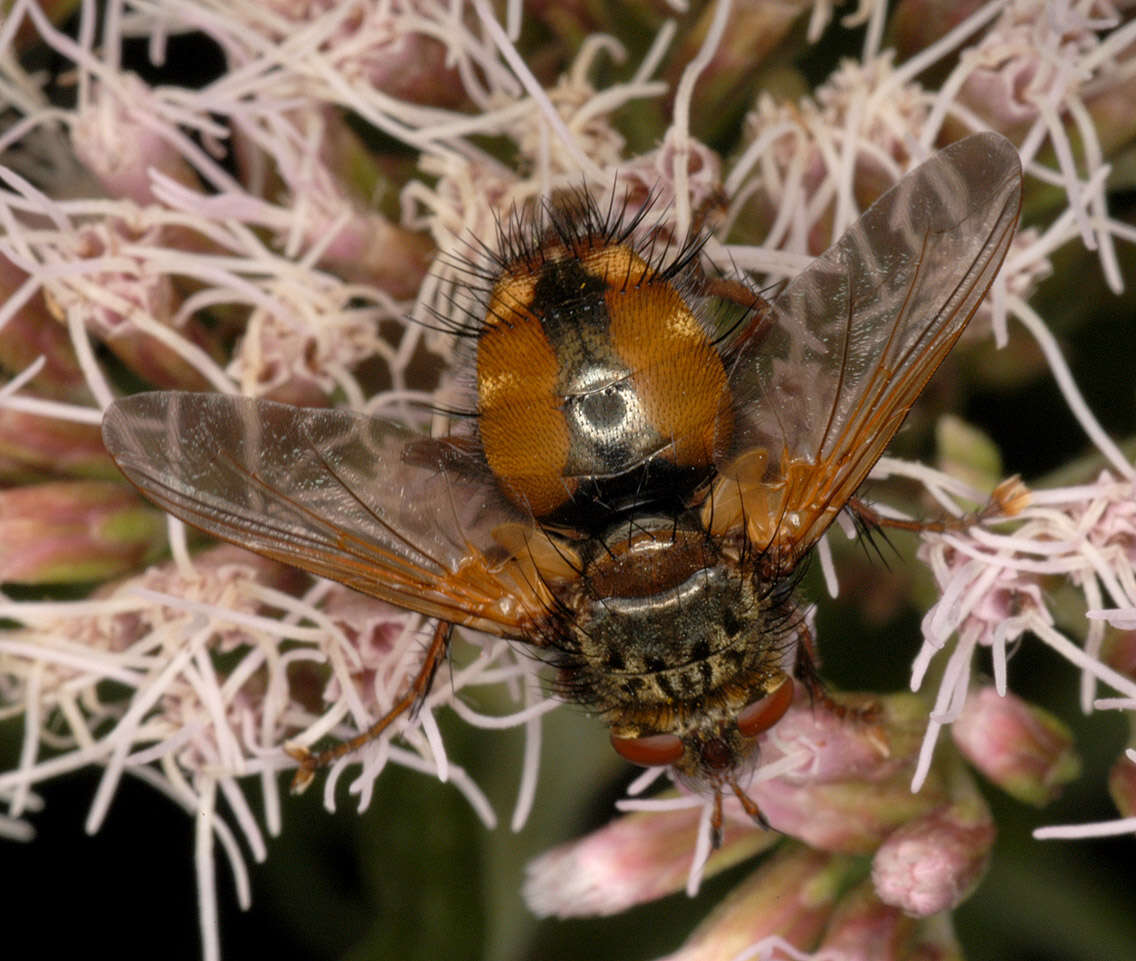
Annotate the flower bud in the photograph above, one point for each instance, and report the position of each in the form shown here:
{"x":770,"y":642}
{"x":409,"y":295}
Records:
{"x":1122,"y":785}
{"x":135,"y":288}
{"x":70,"y":531}
{"x":366,"y":247}
{"x":32,"y":332}
{"x":754,"y":31}
{"x":31,"y":444}
{"x":863,"y":928}
{"x":1014,"y":77}
{"x":116,"y":137}
{"x":933,"y":863}
{"x":634,"y":859}
{"x":916,"y":24}
{"x":1026,"y":751}
{"x":855,"y":786}
{"x":1119,"y":648}
{"x":967,"y":453}
{"x":791,"y":896}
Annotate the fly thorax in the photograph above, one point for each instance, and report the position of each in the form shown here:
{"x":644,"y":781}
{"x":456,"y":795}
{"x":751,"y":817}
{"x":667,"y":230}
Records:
{"x":597,"y":375}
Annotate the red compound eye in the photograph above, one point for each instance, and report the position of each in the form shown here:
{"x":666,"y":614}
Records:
{"x":762,"y":715}
{"x":655,"y":750}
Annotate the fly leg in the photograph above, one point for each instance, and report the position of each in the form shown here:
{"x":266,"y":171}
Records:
{"x":410,"y":701}
{"x":805,"y":671}
{"x":753,"y":325}
{"x":1007,"y":499}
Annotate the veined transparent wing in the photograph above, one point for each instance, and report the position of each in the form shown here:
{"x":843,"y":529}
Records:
{"x":854,"y":338}
{"x":332,"y":492}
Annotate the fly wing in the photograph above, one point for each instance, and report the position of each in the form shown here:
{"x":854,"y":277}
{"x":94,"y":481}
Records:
{"x":332,"y":492}
{"x":854,"y":338}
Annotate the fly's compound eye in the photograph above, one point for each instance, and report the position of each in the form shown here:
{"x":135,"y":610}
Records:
{"x":763,"y":714}
{"x":654,"y":750}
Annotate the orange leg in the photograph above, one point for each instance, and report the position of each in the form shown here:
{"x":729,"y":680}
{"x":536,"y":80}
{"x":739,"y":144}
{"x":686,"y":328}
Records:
{"x":1008,"y":498}
{"x":871,"y":518}
{"x":716,"y":822}
{"x":410,"y":700}
{"x":749,"y":805}
{"x":754,"y":325}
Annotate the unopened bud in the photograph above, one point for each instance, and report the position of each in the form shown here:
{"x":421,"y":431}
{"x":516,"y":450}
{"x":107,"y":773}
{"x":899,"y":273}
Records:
{"x":636,"y":858}
{"x":71,"y":531}
{"x":1122,"y":785}
{"x":863,"y":928}
{"x":791,"y":896}
{"x":933,"y":863}
{"x":1023,"y":749}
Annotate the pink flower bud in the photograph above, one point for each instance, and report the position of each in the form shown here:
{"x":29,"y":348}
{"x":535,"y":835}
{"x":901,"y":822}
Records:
{"x":220,"y":575}
{"x":74,"y":531}
{"x":1035,"y":61}
{"x":388,"y":654}
{"x":791,"y":896}
{"x":916,"y":24}
{"x":636,"y":858}
{"x":752,"y":33}
{"x":863,"y":928}
{"x":1024,"y":750}
{"x":109,"y":301}
{"x":856,"y":787}
{"x":370,"y":249}
{"x":933,"y":863}
{"x":31,"y":443}
{"x":118,"y":136}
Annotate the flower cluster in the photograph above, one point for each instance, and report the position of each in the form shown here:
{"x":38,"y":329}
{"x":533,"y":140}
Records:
{"x":293,"y":225}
